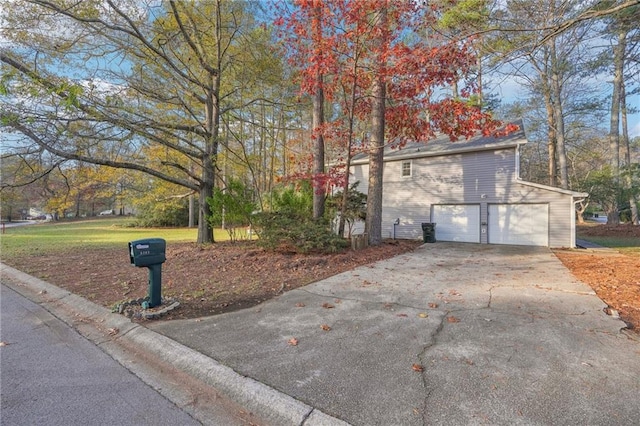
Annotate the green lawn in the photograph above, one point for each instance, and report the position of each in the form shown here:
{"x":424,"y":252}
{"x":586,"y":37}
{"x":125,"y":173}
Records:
{"x":627,"y":245}
{"x":108,"y":232}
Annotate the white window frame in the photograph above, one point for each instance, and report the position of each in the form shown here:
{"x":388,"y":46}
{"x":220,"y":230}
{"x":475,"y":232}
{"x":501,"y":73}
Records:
{"x":402,"y":169}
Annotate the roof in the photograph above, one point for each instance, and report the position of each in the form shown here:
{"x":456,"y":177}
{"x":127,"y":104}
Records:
{"x":442,"y":145}
{"x":574,"y":194}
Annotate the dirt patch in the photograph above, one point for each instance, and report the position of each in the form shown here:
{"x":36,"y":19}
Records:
{"x":206,"y":280}
{"x":615,"y":277}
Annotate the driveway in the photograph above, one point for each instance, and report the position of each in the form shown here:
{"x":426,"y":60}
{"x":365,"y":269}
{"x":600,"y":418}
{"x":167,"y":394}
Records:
{"x":449,"y":334}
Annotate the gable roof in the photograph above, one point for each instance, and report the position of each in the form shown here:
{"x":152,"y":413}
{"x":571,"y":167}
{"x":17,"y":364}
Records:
{"x":442,"y":145}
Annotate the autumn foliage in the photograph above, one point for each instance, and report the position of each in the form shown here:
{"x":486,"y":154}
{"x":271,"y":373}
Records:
{"x":418,"y":66}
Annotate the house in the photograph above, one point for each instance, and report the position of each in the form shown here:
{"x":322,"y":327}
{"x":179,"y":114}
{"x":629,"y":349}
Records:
{"x":471,"y":189}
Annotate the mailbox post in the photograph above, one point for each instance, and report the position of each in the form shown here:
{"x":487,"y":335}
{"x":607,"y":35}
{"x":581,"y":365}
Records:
{"x":150,"y":253}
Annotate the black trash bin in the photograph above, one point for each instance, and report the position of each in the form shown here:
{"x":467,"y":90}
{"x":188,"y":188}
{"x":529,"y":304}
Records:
{"x":429,"y":232}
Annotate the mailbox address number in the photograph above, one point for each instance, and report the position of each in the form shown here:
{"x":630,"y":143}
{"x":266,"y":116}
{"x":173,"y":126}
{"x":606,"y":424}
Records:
{"x":143,"y":246}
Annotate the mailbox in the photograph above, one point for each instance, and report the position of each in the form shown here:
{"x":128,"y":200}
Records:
{"x":150,"y":253}
{"x":147,"y":252}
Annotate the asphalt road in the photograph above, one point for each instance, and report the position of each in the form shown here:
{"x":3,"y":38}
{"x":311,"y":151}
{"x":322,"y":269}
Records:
{"x":51,"y":375}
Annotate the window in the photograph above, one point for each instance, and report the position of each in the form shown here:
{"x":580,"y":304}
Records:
{"x":406,"y":168}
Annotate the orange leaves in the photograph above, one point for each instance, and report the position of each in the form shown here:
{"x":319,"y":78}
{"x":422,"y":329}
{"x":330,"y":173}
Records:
{"x":293,"y":341}
{"x":452,"y":320}
{"x":325,"y":327}
{"x":417,"y":368}
{"x":337,"y":40}
{"x":328,"y":305}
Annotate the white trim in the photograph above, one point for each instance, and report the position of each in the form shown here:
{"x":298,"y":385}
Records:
{"x":553,"y":189}
{"x":402,"y":163}
{"x":421,"y":154}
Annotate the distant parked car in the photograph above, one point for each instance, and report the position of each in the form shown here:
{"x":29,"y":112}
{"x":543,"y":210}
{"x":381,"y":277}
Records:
{"x":107,"y":213}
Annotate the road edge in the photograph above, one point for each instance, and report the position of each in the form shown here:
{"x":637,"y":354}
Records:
{"x":118,"y":336}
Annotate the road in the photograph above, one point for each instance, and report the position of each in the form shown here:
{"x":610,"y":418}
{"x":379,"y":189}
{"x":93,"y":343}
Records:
{"x":52,"y":375}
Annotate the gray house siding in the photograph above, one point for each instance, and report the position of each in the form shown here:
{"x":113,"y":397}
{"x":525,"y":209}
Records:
{"x":469,"y":178}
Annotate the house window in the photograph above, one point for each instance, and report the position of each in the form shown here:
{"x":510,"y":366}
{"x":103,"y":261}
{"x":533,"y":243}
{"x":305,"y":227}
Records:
{"x":406,"y":168}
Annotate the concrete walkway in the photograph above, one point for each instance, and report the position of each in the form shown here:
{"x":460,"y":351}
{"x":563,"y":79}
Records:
{"x":449,"y":334}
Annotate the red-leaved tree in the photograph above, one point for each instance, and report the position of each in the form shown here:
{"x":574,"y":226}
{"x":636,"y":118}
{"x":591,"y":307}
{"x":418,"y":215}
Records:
{"x":383,"y":71}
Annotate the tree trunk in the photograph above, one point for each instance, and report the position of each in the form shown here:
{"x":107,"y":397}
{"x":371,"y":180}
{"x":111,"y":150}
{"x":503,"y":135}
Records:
{"x":345,"y":198}
{"x":209,"y":160}
{"x":635,"y":220}
{"x":580,"y":211}
{"x":558,"y":114}
{"x":613,"y":217}
{"x":376,"y":152}
{"x":317,"y":125}
{"x":376,"y":164}
{"x":318,"y":151}
{"x":552,"y":134}
{"x":345,"y":187}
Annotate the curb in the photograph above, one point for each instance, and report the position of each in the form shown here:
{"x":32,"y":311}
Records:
{"x":102,"y":327}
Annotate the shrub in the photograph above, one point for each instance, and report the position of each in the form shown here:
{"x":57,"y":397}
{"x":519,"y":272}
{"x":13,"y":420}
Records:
{"x":290,"y":232}
{"x":232,"y":209}
{"x":174,"y":213}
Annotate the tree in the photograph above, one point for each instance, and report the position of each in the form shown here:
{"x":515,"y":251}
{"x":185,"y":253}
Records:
{"x":622,"y":27}
{"x":398,"y":74}
{"x":551,"y":66}
{"x":232,"y":208}
{"x":355,"y":208}
{"x":129,"y":76}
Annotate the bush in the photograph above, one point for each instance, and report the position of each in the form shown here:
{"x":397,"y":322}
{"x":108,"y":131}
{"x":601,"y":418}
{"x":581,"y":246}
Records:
{"x":232,"y":209}
{"x":173,"y":213}
{"x":291,"y":232}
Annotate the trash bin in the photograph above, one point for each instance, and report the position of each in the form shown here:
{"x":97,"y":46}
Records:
{"x":429,"y":232}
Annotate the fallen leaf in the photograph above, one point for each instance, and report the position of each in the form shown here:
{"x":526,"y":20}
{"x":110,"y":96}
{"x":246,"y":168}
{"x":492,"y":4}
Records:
{"x":113,"y":331}
{"x":300,"y":305}
{"x":417,"y":367}
{"x":422,"y":315}
{"x":327,"y":305}
{"x":3,"y":344}
{"x":402,"y":315}
{"x":293,"y":341}
{"x":433,"y":305}
{"x":325,"y":327}
{"x":452,"y":319}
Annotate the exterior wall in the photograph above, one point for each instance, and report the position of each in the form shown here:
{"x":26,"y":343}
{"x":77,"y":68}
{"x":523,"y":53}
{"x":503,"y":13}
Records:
{"x":481,"y":177}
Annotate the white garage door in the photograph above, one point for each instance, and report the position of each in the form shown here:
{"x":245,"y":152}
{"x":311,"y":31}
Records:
{"x":457,"y":222}
{"x":519,"y":224}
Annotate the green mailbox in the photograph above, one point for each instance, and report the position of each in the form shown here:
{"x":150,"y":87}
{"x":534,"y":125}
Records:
{"x":150,"y":253}
{"x":147,"y":252}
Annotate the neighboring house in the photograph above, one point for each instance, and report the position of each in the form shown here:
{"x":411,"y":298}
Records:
{"x":472,"y":191}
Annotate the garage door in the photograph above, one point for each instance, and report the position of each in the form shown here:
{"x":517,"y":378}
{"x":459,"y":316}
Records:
{"x":457,"y":222}
{"x":519,"y":224}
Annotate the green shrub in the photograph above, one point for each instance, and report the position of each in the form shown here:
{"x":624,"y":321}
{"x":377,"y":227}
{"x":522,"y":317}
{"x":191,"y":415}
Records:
{"x":292,"y":199}
{"x":232,"y":209}
{"x":167,"y":213}
{"x":291,"y":232}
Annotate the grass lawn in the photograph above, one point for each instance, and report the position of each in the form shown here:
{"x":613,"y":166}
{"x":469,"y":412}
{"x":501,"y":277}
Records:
{"x":91,"y":233}
{"x":626,"y":240}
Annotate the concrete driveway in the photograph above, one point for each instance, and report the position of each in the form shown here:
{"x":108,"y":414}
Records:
{"x":451,"y":334}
